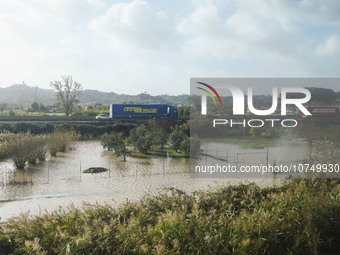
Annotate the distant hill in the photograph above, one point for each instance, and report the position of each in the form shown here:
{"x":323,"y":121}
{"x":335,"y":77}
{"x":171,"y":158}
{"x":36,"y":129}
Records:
{"x":22,"y":94}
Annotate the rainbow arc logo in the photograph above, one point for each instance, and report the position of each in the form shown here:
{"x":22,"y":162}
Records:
{"x":209,"y":93}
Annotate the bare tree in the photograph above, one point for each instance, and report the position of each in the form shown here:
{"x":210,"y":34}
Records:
{"x":67,"y":92}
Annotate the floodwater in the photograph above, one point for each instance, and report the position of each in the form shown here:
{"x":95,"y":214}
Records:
{"x":60,"y":182}
{"x":284,"y":151}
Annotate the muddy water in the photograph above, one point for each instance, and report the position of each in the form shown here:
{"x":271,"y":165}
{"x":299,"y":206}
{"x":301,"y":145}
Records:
{"x":60,"y":182}
{"x":284,"y":151}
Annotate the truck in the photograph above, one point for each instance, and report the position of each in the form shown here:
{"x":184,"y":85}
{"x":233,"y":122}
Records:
{"x":135,"y":111}
{"x":323,"y":111}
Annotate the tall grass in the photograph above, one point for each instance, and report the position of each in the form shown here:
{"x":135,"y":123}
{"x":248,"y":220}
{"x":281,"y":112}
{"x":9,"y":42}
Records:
{"x":18,"y":147}
{"x":25,"y":148}
{"x":3,"y":142}
{"x":59,"y":141}
{"x":300,"y":217}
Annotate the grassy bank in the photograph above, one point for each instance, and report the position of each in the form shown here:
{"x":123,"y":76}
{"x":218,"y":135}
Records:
{"x":300,"y":217}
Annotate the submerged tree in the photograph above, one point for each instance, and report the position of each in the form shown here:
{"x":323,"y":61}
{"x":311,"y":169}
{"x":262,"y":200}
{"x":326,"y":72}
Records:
{"x":176,"y":138}
{"x":115,"y":141}
{"x":160,"y":137}
{"x":67,"y":93}
{"x":141,"y":138}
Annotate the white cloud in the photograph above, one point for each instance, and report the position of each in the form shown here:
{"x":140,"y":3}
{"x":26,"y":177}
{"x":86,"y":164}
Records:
{"x":134,"y":25}
{"x":260,"y":38}
{"x":329,"y":47}
{"x":136,"y":45}
{"x":97,"y":3}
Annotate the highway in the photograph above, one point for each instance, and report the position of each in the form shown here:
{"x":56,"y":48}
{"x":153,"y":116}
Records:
{"x":180,"y":119}
{"x":74,"y":119}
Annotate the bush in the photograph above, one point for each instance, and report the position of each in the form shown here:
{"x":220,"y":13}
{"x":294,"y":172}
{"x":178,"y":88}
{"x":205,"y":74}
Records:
{"x":300,"y":217}
{"x":93,"y":170}
{"x":18,"y":149}
{"x":25,"y":147}
{"x":38,"y":148}
{"x":59,"y":141}
{"x":3,"y":142}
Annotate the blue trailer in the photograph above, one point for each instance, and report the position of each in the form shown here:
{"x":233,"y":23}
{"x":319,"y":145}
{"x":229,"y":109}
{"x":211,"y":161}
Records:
{"x":143,"y":111}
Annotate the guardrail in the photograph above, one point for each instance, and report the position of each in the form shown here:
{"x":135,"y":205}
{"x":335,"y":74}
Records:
{"x":72,"y":119}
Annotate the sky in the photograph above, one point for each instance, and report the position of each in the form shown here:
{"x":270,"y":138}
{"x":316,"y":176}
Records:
{"x":156,"y":46}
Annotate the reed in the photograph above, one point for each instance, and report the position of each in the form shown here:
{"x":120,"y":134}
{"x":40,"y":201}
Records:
{"x":300,"y":217}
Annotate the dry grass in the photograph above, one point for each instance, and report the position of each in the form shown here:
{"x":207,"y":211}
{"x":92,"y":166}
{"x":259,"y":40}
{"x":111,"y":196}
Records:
{"x":300,"y":217}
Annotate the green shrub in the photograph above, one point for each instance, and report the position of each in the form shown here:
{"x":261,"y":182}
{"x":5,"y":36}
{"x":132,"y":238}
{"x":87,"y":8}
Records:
{"x":93,"y":170}
{"x":59,"y":141}
{"x":300,"y":217}
{"x":3,"y":143}
{"x":25,"y":147}
{"x":18,"y":148}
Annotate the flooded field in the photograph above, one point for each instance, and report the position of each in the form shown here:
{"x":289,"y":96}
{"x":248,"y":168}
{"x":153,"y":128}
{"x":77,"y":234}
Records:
{"x":59,"y":181}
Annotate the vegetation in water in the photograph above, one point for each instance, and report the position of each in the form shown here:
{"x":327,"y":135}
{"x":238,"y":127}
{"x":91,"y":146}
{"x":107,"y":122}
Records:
{"x":146,"y":138}
{"x":299,"y":217}
{"x":93,"y":170}
{"x":59,"y":141}
{"x":115,"y":141}
{"x":25,"y":148}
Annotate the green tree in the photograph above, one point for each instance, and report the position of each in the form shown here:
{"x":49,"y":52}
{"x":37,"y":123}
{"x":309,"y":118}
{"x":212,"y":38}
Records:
{"x":42,"y":108}
{"x":35,"y":107}
{"x":160,"y":137}
{"x":133,"y":137}
{"x":115,"y":141}
{"x":186,"y":111}
{"x":144,"y":141}
{"x":183,"y":110}
{"x":321,"y":96}
{"x":176,"y":138}
{"x":185,"y":146}
{"x":11,"y":112}
{"x":141,"y":138}
{"x":67,"y":93}
{"x":185,"y":128}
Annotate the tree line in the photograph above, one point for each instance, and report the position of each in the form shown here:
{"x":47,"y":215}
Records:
{"x":144,"y":137}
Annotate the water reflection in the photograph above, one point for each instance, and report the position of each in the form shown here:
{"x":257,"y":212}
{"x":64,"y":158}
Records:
{"x":59,"y":181}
